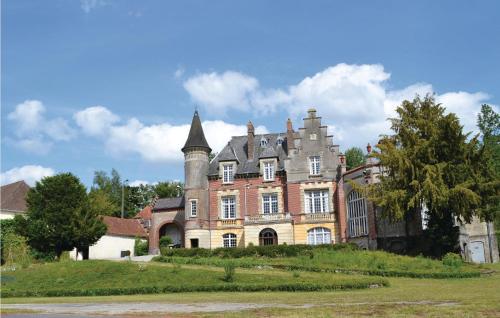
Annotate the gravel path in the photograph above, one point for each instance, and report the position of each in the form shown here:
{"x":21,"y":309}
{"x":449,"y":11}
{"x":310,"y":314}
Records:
{"x":87,"y":310}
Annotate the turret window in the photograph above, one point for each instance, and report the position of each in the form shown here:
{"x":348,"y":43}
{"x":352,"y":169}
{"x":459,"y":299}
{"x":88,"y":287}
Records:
{"x":268,"y":171}
{"x":194,"y":208}
{"x":228,"y":174}
{"x":228,"y":207}
{"x":314,"y":165}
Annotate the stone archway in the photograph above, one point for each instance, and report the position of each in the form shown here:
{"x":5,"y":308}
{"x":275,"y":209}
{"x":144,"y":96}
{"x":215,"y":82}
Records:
{"x":174,"y":231}
{"x":268,"y":236}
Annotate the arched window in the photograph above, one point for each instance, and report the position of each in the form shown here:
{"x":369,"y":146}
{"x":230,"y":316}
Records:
{"x":319,"y":235}
{"x":229,"y":240}
{"x":356,"y":215}
{"x":268,"y":237}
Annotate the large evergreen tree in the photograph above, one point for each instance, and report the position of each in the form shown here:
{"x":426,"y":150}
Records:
{"x":58,"y":217}
{"x":429,"y":163}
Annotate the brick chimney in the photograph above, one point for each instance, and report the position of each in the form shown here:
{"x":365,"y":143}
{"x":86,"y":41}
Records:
{"x":289,"y":135}
{"x":250,"y":140}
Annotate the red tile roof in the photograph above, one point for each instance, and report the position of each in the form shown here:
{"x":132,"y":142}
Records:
{"x":124,"y":227}
{"x":13,"y":196}
{"x":145,"y":213}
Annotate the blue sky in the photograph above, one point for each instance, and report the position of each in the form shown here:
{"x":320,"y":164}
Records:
{"x":99,"y":84}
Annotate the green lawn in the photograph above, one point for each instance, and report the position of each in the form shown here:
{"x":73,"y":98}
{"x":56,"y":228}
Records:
{"x":406,"y":297}
{"x":114,"y":278}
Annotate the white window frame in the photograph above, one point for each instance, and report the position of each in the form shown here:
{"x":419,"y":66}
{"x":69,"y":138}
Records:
{"x":357,"y":216}
{"x":314,"y":165}
{"x":229,"y":240}
{"x":268,"y":170}
{"x":227,"y":173}
{"x":319,"y":235}
{"x":270,"y":203}
{"x":193,"y":211}
{"x":228,"y":207}
{"x":316,"y":201}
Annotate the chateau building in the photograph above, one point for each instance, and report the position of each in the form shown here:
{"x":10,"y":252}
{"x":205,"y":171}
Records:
{"x":290,"y":187}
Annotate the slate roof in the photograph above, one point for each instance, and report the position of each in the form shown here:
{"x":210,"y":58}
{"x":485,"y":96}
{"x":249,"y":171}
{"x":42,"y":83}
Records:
{"x":169,"y":203}
{"x":124,"y":227}
{"x":239,"y":145}
{"x":13,"y":196}
{"x":196,"y":137}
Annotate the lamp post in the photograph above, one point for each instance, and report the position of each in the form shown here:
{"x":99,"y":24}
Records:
{"x":123,"y":196}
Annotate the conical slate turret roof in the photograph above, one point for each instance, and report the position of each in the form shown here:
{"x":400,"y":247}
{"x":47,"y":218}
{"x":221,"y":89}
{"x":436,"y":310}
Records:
{"x":196,"y":137}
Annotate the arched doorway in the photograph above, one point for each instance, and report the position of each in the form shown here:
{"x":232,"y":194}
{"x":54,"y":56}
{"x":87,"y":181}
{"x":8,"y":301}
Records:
{"x":268,"y":237}
{"x":172,"y":230}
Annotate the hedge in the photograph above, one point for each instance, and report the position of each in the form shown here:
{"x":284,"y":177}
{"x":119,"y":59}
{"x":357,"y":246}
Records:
{"x":271,"y":251}
{"x":384,"y":273}
{"x":226,"y":287}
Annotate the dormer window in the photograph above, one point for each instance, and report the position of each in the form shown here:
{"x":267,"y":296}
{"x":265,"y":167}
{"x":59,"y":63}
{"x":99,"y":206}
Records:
{"x":314,"y":165}
{"x":268,"y":170}
{"x":279,"y":141}
{"x":227,"y":173}
{"x":263,"y":142}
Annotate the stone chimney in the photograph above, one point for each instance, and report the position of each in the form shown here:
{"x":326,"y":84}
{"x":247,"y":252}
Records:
{"x":250,"y":140}
{"x":289,"y":135}
{"x":368,"y":148}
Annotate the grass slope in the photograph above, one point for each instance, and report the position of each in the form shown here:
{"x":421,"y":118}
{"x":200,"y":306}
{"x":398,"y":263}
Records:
{"x":115,"y":278}
{"x":348,"y":261}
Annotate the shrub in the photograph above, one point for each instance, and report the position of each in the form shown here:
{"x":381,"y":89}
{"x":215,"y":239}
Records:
{"x":140,"y":247}
{"x":270,"y":251}
{"x":452,"y":260}
{"x":16,"y":250}
{"x":229,"y":271}
{"x":296,"y":274}
{"x":165,"y":241}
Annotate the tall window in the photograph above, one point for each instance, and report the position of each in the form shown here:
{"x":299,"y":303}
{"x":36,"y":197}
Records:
{"x":319,"y":235}
{"x":357,"y":217}
{"x":270,"y":203}
{"x":268,"y":171}
{"x":229,"y":240}
{"x":314,"y":165}
{"x":194,"y":207}
{"x":228,"y":207}
{"x":227,"y":174}
{"x":316,"y":201}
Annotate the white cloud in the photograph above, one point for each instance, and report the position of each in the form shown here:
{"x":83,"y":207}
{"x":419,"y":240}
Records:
{"x":466,"y":105}
{"x":137,"y":183}
{"x":354,"y":100}
{"x":179,"y":72}
{"x":95,"y":120}
{"x":34,"y":131}
{"x":89,"y":5}
{"x":220,"y":92}
{"x":30,"y":174}
{"x":156,"y":143}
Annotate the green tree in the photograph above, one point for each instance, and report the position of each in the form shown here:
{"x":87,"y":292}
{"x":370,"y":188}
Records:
{"x":354,"y":158}
{"x":100,"y":203}
{"x":169,"y":189}
{"x":58,"y":217}
{"x":488,"y":122}
{"x":430,"y":163}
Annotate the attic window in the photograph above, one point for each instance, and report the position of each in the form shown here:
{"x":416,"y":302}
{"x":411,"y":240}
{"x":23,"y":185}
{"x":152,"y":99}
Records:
{"x":263,"y":142}
{"x":279,"y":141}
